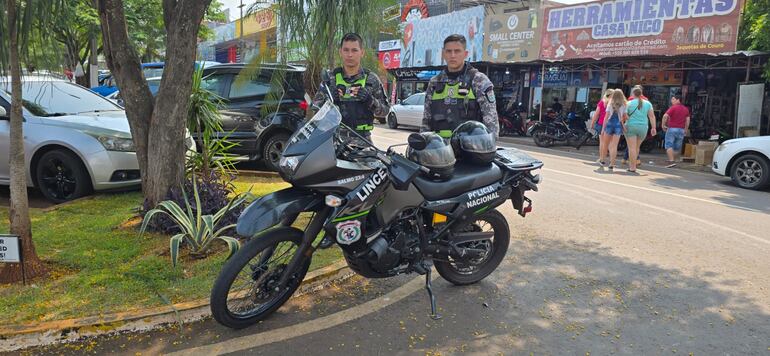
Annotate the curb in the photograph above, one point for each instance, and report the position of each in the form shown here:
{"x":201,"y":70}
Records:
{"x":260,"y":174}
{"x":705,"y":171}
{"x":15,"y":337}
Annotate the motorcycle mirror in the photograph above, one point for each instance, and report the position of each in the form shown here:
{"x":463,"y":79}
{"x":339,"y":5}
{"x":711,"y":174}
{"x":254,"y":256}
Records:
{"x":417,"y":141}
{"x":325,"y":75}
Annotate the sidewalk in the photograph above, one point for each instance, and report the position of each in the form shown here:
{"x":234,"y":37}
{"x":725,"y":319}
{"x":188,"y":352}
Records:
{"x":656,"y":158}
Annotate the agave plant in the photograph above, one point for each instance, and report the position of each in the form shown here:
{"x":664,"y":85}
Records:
{"x":198,"y":230}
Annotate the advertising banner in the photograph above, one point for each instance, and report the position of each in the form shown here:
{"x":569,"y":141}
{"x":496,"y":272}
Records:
{"x":662,"y":77}
{"x":424,"y":39}
{"x":513,"y":37}
{"x":389,"y":45}
{"x":390,"y":59}
{"x":640,"y":27}
{"x":558,"y":79}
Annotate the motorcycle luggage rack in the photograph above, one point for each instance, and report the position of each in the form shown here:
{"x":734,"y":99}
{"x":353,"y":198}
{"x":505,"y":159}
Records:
{"x":509,"y":158}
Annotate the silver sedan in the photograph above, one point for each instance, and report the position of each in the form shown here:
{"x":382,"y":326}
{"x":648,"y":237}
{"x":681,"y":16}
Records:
{"x":75,"y":141}
{"x":407,"y":112}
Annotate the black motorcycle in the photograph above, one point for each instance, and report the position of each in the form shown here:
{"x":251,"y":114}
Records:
{"x":380,"y":208}
{"x":548,"y":132}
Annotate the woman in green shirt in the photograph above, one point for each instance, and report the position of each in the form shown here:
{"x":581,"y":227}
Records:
{"x":640,"y":113}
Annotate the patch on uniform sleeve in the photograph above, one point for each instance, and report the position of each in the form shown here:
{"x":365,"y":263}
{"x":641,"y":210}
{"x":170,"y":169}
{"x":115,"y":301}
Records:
{"x":490,"y":95}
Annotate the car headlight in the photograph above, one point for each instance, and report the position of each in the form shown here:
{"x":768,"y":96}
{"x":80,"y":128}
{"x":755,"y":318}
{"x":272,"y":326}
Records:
{"x":112,"y":143}
{"x":289,"y":164}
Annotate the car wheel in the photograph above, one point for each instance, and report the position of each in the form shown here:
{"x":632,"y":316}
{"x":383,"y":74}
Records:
{"x":273,"y":149}
{"x":392,"y":123}
{"x":61,"y":176}
{"x":751,"y":172}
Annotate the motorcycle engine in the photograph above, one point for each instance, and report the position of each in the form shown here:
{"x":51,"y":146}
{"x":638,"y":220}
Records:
{"x":390,"y":253}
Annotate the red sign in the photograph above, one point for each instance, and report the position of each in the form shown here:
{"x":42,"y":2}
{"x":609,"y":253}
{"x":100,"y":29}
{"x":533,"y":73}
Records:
{"x":414,"y":10}
{"x":390,"y":59}
{"x":623,"y":28}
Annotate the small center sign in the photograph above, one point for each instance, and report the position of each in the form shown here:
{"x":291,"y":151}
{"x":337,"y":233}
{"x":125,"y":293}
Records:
{"x":9,"y":249}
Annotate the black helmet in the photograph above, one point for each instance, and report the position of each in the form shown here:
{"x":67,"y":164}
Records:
{"x":437,"y":156}
{"x":472,"y":142}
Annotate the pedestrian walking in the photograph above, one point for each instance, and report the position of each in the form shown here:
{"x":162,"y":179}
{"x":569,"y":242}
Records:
{"x":613,"y":128}
{"x":632,"y":97}
{"x":640,"y":117}
{"x":676,"y":123}
{"x":597,"y":122}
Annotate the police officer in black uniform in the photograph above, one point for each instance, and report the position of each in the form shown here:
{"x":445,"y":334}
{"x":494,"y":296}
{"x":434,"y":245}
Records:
{"x":359,"y":94}
{"x":356,"y":90}
{"x":459,"y":93}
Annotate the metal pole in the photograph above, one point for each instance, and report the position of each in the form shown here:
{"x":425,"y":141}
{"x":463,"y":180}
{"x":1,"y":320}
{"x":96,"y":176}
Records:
{"x":542,"y":92}
{"x":240,"y":36}
{"x":21,"y":259}
{"x":748,"y":69}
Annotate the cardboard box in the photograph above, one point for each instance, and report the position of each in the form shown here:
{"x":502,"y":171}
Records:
{"x":704,"y":154}
{"x":689,"y":150}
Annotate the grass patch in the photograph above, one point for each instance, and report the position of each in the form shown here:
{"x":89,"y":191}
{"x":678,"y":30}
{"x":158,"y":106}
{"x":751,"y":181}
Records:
{"x":98,"y":267}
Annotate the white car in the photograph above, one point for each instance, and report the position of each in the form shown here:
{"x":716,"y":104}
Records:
{"x":75,"y":141}
{"x":408,"y":112}
{"x":745,"y":160}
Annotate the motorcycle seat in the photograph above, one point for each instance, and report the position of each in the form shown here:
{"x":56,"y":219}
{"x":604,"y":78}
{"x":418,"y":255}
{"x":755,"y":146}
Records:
{"x":466,"y":177}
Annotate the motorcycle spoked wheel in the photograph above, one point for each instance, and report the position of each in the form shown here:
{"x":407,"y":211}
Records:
{"x":541,"y":140}
{"x":464,"y":273}
{"x":244,"y":292}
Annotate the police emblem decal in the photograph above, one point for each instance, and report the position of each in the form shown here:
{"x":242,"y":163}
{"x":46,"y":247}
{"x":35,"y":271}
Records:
{"x":348,"y":232}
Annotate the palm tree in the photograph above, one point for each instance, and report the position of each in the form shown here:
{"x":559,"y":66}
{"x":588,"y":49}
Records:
{"x":20,"y":17}
{"x":315,"y":26}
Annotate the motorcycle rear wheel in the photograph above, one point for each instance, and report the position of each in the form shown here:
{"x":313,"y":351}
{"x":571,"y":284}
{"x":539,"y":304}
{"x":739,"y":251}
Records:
{"x":461,"y":273}
{"x":243,"y":293}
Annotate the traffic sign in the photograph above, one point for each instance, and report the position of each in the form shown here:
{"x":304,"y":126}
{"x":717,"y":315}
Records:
{"x":9,"y":249}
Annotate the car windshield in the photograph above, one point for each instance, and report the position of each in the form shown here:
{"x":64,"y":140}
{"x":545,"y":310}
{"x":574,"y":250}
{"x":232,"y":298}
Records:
{"x":58,"y":98}
{"x":150,"y":72}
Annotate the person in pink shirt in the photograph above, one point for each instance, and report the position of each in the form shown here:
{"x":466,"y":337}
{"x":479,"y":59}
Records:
{"x":597,"y":121}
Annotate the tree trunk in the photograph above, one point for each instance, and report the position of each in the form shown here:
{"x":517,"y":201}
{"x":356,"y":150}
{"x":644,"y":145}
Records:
{"x":331,"y":42}
{"x":19,"y":212}
{"x":157,"y":127}
{"x":126,"y":68}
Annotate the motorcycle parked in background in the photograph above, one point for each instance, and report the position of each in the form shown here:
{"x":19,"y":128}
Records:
{"x":549,"y":131}
{"x":512,"y":120}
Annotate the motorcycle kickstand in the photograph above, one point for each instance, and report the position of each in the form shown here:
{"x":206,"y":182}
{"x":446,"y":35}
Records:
{"x":429,"y":288}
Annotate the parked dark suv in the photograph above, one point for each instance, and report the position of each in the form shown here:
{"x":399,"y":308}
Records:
{"x":259,"y":123}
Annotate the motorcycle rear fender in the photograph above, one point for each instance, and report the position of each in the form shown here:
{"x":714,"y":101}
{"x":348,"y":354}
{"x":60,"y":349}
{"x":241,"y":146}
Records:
{"x":270,"y":209}
{"x":521,"y":203}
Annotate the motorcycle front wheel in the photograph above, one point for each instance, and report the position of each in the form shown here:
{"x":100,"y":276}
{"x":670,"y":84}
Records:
{"x":245,"y":290}
{"x":540,"y":138}
{"x":469,"y":272}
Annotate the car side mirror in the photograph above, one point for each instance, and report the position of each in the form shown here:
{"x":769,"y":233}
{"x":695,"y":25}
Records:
{"x":398,"y":101}
{"x":417,"y":142}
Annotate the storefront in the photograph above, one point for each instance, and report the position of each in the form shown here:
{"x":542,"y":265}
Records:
{"x":667,"y":48}
{"x":709,"y":84}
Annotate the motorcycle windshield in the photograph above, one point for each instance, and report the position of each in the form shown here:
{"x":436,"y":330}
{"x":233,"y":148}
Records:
{"x":315,"y":132}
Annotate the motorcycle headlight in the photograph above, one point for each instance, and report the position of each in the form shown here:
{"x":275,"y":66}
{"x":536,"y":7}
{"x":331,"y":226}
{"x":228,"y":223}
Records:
{"x":120,"y":144}
{"x":289,"y":164}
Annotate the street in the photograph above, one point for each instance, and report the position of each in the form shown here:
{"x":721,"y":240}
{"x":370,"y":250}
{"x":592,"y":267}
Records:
{"x":665,"y":262}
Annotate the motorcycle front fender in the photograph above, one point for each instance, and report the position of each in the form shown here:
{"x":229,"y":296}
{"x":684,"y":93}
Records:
{"x":271,"y":209}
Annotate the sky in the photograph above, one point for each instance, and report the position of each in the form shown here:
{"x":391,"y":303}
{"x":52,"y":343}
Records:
{"x":233,"y":6}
